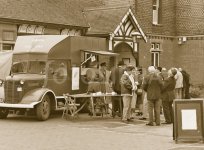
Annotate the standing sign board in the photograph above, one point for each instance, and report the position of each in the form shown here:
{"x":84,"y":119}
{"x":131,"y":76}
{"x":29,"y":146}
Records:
{"x":188,"y":120}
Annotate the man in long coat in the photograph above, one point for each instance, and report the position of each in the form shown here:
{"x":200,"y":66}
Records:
{"x":152,"y":85}
{"x":168,"y":95}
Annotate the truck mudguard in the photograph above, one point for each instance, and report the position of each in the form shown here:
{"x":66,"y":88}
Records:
{"x":37,"y":95}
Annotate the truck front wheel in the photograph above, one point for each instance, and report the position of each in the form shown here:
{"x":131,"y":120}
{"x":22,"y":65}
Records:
{"x":3,"y":113}
{"x":43,"y":109}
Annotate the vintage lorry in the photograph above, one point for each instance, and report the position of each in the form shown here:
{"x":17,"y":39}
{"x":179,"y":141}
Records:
{"x":44,"y":68}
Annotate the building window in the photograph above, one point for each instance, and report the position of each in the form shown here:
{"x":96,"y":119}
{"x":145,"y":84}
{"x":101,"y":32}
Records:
{"x":155,"y":54}
{"x":30,"y":29}
{"x":7,"y":46}
{"x":8,"y":36}
{"x":156,"y":12}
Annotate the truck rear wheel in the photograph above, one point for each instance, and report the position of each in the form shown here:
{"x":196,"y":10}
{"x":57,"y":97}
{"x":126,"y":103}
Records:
{"x":3,"y":113}
{"x":43,"y":109}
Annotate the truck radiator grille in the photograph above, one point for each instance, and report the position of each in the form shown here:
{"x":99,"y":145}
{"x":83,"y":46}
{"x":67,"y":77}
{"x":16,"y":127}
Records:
{"x":12,"y":96}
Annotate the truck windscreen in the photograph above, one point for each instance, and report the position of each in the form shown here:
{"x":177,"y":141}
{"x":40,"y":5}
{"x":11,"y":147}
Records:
{"x":33,"y":67}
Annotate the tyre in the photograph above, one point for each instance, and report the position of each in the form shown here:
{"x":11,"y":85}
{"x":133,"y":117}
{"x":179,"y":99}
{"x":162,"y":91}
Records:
{"x":3,"y":113}
{"x":43,"y":109}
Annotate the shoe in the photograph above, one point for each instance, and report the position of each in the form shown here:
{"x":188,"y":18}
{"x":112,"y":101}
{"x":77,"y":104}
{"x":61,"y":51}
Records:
{"x":90,"y":114}
{"x":166,"y":123}
{"x":130,"y":120}
{"x":143,"y":118}
{"x":149,"y":124}
{"x":139,"y":114}
{"x":125,"y":121}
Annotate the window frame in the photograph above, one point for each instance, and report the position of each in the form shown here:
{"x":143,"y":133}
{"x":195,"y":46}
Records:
{"x":156,"y":12}
{"x":155,"y":54}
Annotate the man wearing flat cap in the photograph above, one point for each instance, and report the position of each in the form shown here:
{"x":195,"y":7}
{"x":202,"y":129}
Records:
{"x":127,"y":88}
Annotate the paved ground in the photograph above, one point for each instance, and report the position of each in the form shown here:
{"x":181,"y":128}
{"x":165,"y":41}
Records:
{"x":86,"y":133}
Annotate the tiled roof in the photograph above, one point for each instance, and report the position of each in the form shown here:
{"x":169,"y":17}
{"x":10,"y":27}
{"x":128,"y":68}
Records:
{"x":65,"y":12}
{"x":89,"y":3}
{"x":104,"y":20}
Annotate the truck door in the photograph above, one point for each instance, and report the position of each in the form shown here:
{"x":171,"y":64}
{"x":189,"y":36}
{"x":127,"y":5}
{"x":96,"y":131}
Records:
{"x":58,"y":76}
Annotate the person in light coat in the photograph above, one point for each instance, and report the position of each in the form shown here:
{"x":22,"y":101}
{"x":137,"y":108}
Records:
{"x":127,"y":88}
{"x":179,"y":84}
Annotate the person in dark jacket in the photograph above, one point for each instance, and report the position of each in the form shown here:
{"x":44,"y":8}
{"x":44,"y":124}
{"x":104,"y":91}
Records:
{"x":168,"y":96}
{"x":186,"y":84}
{"x":116,"y":74}
{"x":152,"y":84}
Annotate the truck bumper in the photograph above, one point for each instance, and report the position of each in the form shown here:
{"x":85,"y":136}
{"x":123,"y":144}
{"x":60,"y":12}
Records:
{"x":6,"y":105}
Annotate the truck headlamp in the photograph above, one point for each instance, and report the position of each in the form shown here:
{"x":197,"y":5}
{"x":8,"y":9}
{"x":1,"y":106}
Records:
{"x":22,"y":82}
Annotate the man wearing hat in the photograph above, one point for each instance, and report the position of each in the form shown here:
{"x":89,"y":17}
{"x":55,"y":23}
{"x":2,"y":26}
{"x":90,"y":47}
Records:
{"x":127,"y":88}
{"x":116,"y":74}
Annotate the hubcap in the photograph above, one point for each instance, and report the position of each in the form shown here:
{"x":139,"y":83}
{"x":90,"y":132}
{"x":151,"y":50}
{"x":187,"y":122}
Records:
{"x":45,"y":107}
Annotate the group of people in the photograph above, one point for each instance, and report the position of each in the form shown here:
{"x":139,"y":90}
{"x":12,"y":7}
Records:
{"x":160,"y":87}
{"x":150,"y":92}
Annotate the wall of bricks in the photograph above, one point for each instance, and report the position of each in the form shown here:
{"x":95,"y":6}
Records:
{"x":190,"y":17}
{"x":144,"y":15}
{"x":144,"y":54}
{"x":190,"y":56}
{"x":167,"y":26}
{"x":143,"y":11}
{"x":166,"y":56}
{"x":179,"y":17}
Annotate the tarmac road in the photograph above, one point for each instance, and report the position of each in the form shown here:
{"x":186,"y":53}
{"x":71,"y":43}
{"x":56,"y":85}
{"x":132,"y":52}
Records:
{"x":86,"y":133}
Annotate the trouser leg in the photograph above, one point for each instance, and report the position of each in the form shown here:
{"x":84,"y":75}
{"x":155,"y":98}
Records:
{"x":157,"y":105}
{"x":150,"y":111}
{"x":126,"y":107}
{"x":171,"y":111}
{"x":166,"y":111}
{"x":145,"y":106}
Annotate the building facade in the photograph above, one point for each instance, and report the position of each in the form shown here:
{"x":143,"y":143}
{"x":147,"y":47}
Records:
{"x":177,"y":29}
{"x":144,"y":32}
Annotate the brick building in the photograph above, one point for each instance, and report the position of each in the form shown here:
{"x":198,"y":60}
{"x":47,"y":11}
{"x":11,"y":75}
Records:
{"x":177,"y":26}
{"x":158,"y":32}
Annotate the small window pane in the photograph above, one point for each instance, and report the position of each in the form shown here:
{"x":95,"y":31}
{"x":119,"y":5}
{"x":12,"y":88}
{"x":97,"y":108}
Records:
{"x":157,"y":59}
{"x":7,"y":46}
{"x":158,"y":45}
{"x":154,"y":2}
{"x":152,"y":60}
{"x":153,"y":45}
{"x":8,"y":36}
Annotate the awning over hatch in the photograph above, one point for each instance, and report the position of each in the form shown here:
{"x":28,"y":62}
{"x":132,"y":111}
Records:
{"x":107,"y":53}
